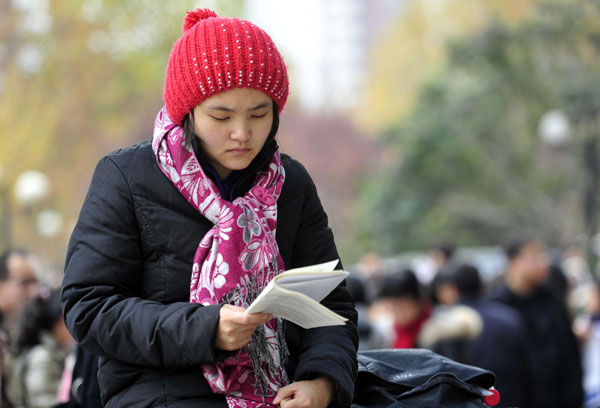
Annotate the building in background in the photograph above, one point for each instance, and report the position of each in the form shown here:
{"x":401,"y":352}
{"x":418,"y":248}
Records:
{"x":327,"y":45}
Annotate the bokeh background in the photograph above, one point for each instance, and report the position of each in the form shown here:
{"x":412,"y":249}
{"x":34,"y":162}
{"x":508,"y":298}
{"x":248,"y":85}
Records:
{"x":420,"y":120}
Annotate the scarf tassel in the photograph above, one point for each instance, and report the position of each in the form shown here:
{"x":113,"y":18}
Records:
{"x":264,"y":366}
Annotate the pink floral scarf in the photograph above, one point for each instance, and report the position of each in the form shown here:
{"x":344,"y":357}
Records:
{"x":234,"y":261}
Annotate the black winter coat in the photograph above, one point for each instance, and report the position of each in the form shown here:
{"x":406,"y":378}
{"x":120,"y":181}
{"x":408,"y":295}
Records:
{"x":127,"y":278}
{"x":553,"y":350}
{"x":501,"y":348}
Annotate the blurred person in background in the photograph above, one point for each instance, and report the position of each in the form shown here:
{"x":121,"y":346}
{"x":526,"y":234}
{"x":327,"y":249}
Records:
{"x":442,"y":253}
{"x":440,"y":256}
{"x":400,"y":309}
{"x":452,"y":326}
{"x":18,"y":284}
{"x":369,"y":265}
{"x":558,"y":284}
{"x":370,"y":336}
{"x":587,"y":329}
{"x":552,"y":348}
{"x":42,"y":346}
{"x":369,"y":269}
{"x":443,"y":288}
{"x":579,"y":280}
{"x":80,"y":388}
{"x":501,"y":346}
{"x":576,"y":267}
{"x":179,"y":234}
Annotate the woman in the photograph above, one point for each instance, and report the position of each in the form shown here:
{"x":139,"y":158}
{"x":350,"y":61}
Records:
{"x":210,"y":201}
{"x":42,"y":346}
{"x":400,"y":309}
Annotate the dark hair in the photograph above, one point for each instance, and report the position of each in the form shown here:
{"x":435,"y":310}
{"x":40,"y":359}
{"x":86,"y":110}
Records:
{"x":4,"y":260}
{"x":446,"y":247}
{"x":444,"y":277}
{"x":468,"y":281}
{"x":39,"y":315}
{"x":191,"y":139}
{"x":513,"y":247}
{"x":400,"y":284}
{"x":356,"y":287}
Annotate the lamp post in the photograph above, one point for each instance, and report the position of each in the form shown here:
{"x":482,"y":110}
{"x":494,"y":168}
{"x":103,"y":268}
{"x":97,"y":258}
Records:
{"x":591,"y":163}
{"x":30,"y":188}
{"x":555,"y":129}
{"x":5,"y":227}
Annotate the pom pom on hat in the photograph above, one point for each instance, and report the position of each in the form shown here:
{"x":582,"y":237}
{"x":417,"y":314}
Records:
{"x":215,"y":54}
{"x":193,"y":17}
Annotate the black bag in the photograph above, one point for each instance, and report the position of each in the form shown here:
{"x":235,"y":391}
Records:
{"x":414,"y":378}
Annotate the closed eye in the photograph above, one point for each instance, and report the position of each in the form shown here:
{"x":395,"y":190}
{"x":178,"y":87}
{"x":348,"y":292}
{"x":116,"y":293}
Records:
{"x":259,"y":116}
{"x":220,"y":119}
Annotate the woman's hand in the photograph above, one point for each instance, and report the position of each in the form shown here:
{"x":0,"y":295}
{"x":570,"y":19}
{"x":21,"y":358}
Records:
{"x":236,"y":327}
{"x":316,"y":393}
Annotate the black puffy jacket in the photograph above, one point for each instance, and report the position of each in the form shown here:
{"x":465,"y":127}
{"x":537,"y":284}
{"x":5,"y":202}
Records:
{"x":552,"y":349}
{"x":127,"y":278}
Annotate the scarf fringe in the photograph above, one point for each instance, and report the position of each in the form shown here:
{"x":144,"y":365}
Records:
{"x":263,"y":363}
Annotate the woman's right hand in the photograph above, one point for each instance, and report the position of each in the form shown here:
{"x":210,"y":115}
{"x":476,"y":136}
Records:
{"x":236,"y":327}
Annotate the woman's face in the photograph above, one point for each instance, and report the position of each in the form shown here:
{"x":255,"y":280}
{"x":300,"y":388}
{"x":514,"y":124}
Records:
{"x":232,"y":127}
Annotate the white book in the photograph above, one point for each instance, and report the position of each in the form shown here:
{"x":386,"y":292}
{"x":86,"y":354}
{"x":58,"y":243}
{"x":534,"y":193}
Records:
{"x":294,"y":295}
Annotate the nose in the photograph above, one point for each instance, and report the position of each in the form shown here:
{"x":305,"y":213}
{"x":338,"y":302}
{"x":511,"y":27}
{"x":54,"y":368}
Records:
{"x":241,"y":132}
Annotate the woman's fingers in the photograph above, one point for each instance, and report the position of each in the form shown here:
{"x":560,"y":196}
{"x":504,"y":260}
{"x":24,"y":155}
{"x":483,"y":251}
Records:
{"x":236,"y":327}
{"x":290,"y":403}
{"x":284,"y":393}
{"x":315,"y":393}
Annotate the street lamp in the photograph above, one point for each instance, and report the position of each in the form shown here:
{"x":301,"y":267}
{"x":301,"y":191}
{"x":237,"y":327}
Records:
{"x":554,"y":129}
{"x":30,"y":188}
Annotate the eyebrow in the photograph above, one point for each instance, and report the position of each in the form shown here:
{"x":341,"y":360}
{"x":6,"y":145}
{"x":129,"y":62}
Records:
{"x":226,"y":109}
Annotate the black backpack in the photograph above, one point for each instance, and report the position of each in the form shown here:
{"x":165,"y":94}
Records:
{"x":402,"y":378}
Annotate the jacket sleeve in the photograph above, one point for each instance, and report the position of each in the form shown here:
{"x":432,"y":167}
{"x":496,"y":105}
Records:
{"x":328,"y":351}
{"x":99,"y":293}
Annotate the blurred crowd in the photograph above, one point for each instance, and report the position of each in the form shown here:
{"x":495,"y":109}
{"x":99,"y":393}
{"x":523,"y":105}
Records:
{"x":37,"y":353}
{"x":536,"y":324}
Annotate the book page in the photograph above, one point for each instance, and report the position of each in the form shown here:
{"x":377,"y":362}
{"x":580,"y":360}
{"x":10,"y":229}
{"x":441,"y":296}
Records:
{"x":322,"y":267}
{"x":314,"y":285}
{"x":297,"y":308}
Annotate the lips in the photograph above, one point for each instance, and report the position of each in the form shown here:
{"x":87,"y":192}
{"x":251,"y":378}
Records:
{"x":239,"y":150}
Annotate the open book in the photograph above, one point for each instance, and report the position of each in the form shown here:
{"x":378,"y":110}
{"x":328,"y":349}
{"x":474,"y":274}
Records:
{"x":295,"y":294}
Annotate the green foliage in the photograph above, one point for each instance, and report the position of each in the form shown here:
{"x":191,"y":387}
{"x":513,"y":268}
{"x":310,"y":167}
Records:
{"x":95,"y":86}
{"x":469,"y":164}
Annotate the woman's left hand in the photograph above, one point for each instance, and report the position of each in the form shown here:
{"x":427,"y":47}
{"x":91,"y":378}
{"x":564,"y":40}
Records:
{"x":316,"y":393}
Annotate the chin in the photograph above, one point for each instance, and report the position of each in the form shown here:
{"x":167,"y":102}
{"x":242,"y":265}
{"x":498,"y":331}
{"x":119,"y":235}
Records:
{"x":239,"y":165}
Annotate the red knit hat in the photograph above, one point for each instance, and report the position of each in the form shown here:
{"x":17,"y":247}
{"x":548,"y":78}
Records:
{"x":216,"y":54}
